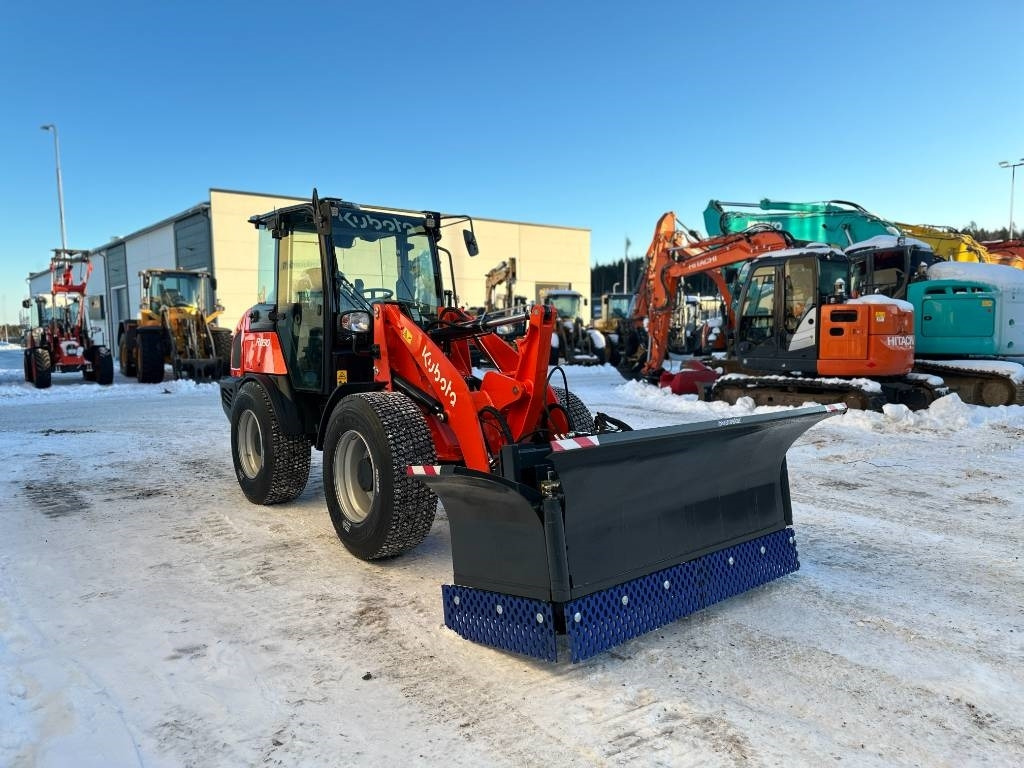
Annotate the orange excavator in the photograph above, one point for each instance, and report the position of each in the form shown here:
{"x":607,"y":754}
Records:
{"x":676,"y":253}
{"x":794,"y":333}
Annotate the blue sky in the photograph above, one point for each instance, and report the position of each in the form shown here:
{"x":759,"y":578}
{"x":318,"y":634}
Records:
{"x":597,"y":114}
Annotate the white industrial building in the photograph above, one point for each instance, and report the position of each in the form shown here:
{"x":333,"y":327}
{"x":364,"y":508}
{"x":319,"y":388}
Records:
{"x":216,"y":236}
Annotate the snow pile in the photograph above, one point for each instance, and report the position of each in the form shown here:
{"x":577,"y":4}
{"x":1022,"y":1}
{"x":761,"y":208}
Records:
{"x":879,"y":298}
{"x":999,"y":275}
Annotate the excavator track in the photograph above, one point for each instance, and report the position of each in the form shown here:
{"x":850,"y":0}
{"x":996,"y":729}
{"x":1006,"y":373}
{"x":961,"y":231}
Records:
{"x":975,"y":386}
{"x":915,"y":392}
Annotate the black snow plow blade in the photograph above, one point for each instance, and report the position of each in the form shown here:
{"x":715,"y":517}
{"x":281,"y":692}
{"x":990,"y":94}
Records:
{"x":604,"y":538}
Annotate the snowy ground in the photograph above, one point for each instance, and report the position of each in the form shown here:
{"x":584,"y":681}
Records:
{"x":149,"y":615}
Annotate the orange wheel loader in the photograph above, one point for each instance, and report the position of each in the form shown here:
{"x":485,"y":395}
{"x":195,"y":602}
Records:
{"x":563,"y":523}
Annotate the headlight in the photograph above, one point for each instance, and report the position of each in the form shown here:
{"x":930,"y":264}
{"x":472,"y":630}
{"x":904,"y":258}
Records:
{"x":355,"y":322}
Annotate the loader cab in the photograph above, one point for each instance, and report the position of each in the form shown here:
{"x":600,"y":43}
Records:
{"x":616,"y":306}
{"x":172,"y":289}
{"x":318,"y":286}
{"x":568,"y":304}
{"x":780,"y":306}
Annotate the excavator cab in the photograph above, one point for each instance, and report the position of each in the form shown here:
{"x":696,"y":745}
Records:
{"x":780,"y":309}
{"x":887,"y":264}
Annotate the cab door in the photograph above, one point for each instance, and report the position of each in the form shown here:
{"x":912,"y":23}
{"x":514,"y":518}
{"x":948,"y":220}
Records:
{"x":757,"y":333}
{"x":301,"y":308}
{"x":778,"y":317}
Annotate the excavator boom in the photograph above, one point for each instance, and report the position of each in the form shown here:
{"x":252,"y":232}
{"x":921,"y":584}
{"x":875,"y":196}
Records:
{"x":676,"y":253}
{"x":836,"y":222}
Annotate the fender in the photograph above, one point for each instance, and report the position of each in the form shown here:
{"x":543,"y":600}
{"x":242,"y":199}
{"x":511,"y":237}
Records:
{"x":336,"y":397}
{"x":289,"y":414}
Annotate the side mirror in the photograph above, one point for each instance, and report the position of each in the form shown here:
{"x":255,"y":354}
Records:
{"x":584,"y":302}
{"x":213,"y":283}
{"x":145,"y":282}
{"x":26,"y":303}
{"x":471,"y":247}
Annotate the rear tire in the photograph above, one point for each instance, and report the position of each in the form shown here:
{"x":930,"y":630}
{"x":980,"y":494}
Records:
{"x":126,"y":356}
{"x":149,"y":358}
{"x":612,"y":348}
{"x":222,"y":349}
{"x":579,"y":415}
{"x":271,"y":467}
{"x":378,"y":510}
{"x":41,"y":372}
{"x":103,"y":366}
{"x":28,"y":365}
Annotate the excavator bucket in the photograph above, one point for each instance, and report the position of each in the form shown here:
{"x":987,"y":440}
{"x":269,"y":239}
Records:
{"x":605,"y":537}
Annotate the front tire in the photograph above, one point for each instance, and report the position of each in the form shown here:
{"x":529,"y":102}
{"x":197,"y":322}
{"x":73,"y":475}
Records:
{"x":377,"y":509}
{"x":271,"y":467}
{"x":41,"y":370}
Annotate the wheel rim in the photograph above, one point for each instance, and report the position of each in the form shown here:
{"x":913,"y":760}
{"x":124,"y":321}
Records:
{"x":353,"y":477}
{"x":250,"y":444}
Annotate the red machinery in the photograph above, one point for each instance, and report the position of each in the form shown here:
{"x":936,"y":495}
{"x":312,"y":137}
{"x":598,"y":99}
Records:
{"x":1008,"y":252}
{"x":59,"y":340}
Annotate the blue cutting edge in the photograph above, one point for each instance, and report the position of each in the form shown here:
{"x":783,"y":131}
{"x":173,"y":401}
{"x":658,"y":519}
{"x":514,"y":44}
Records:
{"x":599,"y":621}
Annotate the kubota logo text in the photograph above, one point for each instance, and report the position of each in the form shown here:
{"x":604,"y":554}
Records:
{"x":433,"y":369}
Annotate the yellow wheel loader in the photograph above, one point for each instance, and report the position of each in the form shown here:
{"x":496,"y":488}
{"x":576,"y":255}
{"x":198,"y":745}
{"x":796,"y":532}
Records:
{"x":174,"y":328}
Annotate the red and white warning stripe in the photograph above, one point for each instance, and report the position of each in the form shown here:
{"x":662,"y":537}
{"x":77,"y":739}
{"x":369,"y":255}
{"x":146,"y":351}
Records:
{"x":572,"y":443}
{"x":423,"y":469}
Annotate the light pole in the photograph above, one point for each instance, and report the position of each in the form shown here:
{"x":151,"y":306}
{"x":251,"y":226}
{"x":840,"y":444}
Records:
{"x":1013,"y":172}
{"x":625,"y":267}
{"x":60,"y":186}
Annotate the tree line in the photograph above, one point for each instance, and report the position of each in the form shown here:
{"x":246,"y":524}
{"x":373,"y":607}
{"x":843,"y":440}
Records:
{"x":981,"y":234}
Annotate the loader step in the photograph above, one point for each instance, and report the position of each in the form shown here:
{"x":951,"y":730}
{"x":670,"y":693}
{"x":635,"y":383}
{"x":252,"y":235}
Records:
{"x":604,"y":619}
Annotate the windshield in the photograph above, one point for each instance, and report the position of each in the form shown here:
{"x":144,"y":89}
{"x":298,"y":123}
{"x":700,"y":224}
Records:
{"x":386,"y":256}
{"x":565,"y":305}
{"x":618,"y":304}
{"x":57,"y":308}
{"x":174,"y":290}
